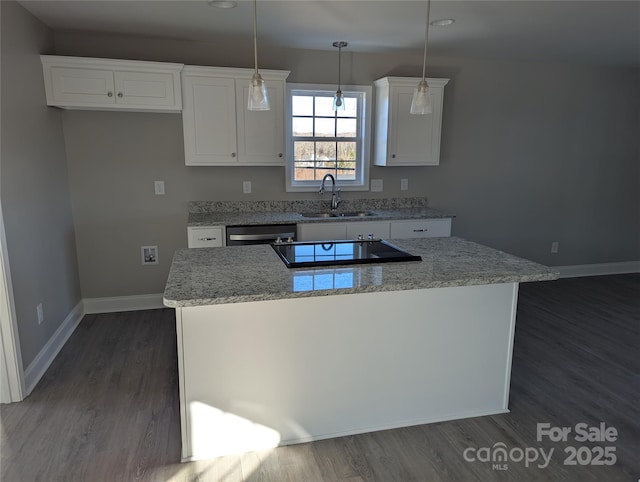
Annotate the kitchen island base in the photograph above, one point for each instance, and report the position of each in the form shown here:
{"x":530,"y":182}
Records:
{"x":260,"y":374}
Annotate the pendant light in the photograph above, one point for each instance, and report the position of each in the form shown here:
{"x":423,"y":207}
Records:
{"x":258,"y":97}
{"x":338,"y":99}
{"x":421,"y":102}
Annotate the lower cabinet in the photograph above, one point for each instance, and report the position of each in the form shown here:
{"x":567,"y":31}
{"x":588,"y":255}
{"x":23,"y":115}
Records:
{"x":322,"y":231}
{"x":205,"y":237}
{"x":417,"y":228}
{"x":423,"y":228}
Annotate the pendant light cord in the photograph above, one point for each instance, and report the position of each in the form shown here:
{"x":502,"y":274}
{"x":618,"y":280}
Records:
{"x":339,"y":64}
{"x":426,"y":37}
{"x":255,"y":35}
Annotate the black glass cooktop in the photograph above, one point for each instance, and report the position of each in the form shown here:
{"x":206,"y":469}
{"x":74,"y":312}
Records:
{"x":333,"y":253}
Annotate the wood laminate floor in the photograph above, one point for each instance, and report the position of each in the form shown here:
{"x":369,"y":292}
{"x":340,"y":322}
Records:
{"x":107,"y":408}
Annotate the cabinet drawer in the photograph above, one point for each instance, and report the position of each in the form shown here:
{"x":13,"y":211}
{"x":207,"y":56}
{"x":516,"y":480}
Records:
{"x":428,"y":228}
{"x":206,"y":237}
{"x":379,"y":230}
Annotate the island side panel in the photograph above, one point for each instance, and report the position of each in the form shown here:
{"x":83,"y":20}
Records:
{"x":261,"y":374}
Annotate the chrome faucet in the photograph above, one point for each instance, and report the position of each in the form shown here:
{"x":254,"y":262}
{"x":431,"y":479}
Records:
{"x":335,"y":195}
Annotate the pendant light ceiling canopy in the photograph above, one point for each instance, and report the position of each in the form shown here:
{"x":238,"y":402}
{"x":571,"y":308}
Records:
{"x":258,"y":96}
{"x":421,"y":102}
{"x":338,"y":99}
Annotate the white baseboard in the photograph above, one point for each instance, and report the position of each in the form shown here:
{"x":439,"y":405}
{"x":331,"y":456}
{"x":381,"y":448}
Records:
{"x":50,"y":350}
{"x":123,"y":303}
{"x":598,"y":269}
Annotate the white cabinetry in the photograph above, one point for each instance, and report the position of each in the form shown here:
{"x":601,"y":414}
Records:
{"x":415,"y":228}
{"x":218,"y":128}
{"x":322,"y":231}
{"x":378,"y":229}
{"x":206,"y":237}
{"x":106,"y":84}
{"x":404,"y":139}
{"x":423,"y":228}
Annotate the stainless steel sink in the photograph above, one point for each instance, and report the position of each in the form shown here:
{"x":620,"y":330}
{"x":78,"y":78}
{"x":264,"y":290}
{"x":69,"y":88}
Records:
{"x":345,"y":214}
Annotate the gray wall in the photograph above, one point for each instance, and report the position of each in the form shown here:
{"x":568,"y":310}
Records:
{"x":531,"y":153}
{"x":34,"y":186}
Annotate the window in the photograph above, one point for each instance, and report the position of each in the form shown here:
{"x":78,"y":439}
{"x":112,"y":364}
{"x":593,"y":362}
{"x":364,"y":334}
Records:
{"x":322,"y":141}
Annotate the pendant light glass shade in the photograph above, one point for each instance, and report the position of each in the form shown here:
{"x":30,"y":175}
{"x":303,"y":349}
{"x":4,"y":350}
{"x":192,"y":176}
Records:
{"x":338,"y":99}
{"x":421,"y":102}
{"x":258,"y":95}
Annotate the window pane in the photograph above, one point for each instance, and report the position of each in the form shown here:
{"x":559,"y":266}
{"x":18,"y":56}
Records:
{"x":302,"y":126}
{"x":350,"y":108}
{"x":325,"y":151}
{"x":304,"y":171}
{"x":324,"y":107}
{"x":346,"y":151}
{"x":302,"y":105}
{"x":320,"y":172}
{"x":325,"y":127}
{"x":346,"y":128}
{"x":346,"y":170}
{"x":303,"y":151}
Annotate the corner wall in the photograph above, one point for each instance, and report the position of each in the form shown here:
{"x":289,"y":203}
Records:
{"x":34,"y":187}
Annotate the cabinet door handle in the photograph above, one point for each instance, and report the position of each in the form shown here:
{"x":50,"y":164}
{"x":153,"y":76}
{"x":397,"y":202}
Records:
{"x":393,"y":156}
{"x":420,"y":230}
{"x":207,"y":239}
{"x":109,"y":94}
{"x":233,"y":154}
{"x":120,"y":95}
{"x":280,"y":154}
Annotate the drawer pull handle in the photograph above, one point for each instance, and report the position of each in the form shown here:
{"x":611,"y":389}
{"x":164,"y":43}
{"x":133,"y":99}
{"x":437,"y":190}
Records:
{"x":120,"y":94}
{"x":109,"y":94}
{"x":207,"y":239}
{"x":420,"y":230}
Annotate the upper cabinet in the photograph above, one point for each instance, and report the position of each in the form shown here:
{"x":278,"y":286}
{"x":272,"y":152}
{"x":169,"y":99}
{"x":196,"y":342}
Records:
{"x":106,"y":84}
{"x":218,"y":128}
{"x":404,"y":139}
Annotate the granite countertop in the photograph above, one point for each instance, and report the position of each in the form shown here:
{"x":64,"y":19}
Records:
{"x":274,"y":217}
{"x":235,"y":274}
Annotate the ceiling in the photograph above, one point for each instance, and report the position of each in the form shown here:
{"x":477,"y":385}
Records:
{"x":599,"y":32}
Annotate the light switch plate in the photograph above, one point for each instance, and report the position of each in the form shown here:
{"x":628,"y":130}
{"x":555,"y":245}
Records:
{"x":404,"y":184}
{"x":246,"y":187}
{"x":376,"y":185}
{"x":159,"y":187}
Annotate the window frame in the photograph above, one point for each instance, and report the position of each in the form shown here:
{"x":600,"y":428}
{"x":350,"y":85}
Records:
{"x":363,"y":159}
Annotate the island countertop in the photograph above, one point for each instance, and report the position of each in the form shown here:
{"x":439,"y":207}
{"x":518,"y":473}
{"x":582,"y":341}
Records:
{"x":236,"y":274}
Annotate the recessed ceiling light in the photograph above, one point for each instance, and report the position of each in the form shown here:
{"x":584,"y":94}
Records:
{"x":443,"y":22}
{"x":223,"y":3}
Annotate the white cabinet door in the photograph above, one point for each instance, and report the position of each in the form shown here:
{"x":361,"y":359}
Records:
{"x":404,"y":139}
{"x":146,"y":89}
{"x":205,"y":237}
{"x":260,"y":133}
{"x":218,"y":128}
{"x":424,"y":228}
{"x":81,"y":86}
{"x":209,"y":120}
{"x":322,"y":231}
{"x":379,"y":230}
{"x":107,"y":84}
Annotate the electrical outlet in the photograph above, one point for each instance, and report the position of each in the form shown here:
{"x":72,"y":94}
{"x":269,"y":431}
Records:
{"x":555,"y":246}
{"x":149,"y":254}
{"x":246,"y":187}
{"x":404,"y":184}
{"x":40,"y":312}
{"x":376,"y":185}
{"x":158,"y":187}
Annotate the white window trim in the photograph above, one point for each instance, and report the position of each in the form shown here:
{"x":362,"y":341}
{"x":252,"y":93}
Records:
{"x":367,"y":105}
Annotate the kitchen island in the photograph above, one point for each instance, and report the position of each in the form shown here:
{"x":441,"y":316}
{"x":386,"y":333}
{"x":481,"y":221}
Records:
{"x":270,"y":356}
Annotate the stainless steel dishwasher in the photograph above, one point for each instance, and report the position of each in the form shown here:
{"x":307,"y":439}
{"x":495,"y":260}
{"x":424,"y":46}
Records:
{"x":260,"y":234}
